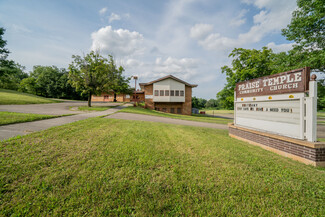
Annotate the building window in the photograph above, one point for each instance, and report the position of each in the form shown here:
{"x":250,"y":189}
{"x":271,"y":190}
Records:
{"x":105,"y":97}
{"x":179,"y":111}
{"x":164,"y":109}
{"x":172,"y":93}
{"x":176,"y":92}
{"x":161,"y":93}
{"x":166,"y":92}
{"x":156,"y":93}
{"x":182,"y":92}
{"x":172,"y":110}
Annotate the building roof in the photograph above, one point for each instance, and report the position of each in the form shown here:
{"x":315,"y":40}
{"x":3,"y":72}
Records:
{"x":166,"y":77}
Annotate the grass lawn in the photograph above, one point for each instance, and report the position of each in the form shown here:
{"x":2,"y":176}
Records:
{"x":119,"y":168}
{"x":14,"y":117}
{"x":93,"y":108}
{"x":321,"y":114}
{"x":8,"y":97}
{"x":321,"y":139}
{"x":193,"y":117}
{"x":216,"y":112}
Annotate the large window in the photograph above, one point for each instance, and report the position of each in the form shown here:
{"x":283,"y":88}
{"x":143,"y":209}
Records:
{"x":182,"y":92}
{"x":156,"y":93}
{"x":166,"y":92}
{"x":176,"y":92}
{"x":161,"y":93}
{"x":172,"y":93}
{"x":179,"y":111}
{"x":172,"y":110}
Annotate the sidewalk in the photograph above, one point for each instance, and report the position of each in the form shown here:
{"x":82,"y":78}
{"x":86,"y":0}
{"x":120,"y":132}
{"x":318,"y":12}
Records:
{"x":12,"y":130}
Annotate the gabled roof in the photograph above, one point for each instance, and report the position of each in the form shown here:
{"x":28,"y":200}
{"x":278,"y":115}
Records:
{"x":166,"y":77}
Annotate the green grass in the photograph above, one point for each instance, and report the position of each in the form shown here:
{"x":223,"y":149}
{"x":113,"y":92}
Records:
{"x":216,"y":112}
{"x":321,"y":114}
{"x":11,"y":97}
{"x":321,"y":139}
{"x":193,"y":117}
{"x":14,"y":117}
{"x":93,"y":108}
{"x":120,"y":168}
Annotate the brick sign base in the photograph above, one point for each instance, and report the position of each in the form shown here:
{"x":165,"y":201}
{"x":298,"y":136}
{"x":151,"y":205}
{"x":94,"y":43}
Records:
{"x":312,"y":153}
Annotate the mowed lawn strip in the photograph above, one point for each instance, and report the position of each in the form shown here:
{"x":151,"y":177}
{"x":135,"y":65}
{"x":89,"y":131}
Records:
{"x":193,"y":117}
{"x":15,"y":117}
{"x":115,"y":167}
{"x":11,"y":97}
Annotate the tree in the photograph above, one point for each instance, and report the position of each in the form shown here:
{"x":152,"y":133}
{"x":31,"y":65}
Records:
{"x":212,"y":103}
{"x":307,"y":25}
{"x":94,"y":74}
{"x":307,"y":29}
{"x":198,"y":103}
{"x":246,"y":64}
{"x":119,"y":83}
{"x":49,"y":81}
{"x":11,"y":73}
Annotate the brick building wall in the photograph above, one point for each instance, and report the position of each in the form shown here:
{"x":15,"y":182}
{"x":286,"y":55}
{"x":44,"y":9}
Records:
{"x":148,"y":90}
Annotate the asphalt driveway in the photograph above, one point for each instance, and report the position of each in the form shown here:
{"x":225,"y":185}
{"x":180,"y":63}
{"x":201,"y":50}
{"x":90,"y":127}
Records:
{"x":52,"y":108}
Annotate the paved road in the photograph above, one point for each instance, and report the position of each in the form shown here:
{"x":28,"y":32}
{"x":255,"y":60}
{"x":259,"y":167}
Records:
{"x":138,"y":117}
{"x":12,"y":130}
{"x":51,"y":108}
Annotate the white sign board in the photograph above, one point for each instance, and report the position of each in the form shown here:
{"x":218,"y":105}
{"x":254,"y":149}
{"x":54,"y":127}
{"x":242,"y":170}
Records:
{"x":281,"y":117}
{"x":148,"y":96}
{"x":127,"y":96}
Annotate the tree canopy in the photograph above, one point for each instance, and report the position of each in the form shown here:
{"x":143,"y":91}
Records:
{"x":306,"y":29}
{"x":307,"y":26}
{"x":94,"y":74}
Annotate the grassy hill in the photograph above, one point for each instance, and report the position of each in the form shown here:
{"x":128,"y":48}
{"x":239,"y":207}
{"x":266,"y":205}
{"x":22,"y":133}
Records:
{"x":114,"y":167}
{"x":10,"y":97}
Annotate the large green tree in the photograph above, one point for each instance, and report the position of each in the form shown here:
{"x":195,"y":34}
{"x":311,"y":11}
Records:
{"x":246,"y":64}
{"x":11,"y":73}
{"x":307,"y":29}
{"x":118,"y":82}
{"x":307,"y":26}
{"x":94,"y":74}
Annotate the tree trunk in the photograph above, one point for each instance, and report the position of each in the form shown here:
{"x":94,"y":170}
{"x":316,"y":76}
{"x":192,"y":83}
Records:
{"x":115,"y":97}
{"x":89,"y":99}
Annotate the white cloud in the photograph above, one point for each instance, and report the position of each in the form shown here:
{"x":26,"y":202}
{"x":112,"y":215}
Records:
{"x":120,"y":42}
{"x":113,"y":17}
{"x":239,"y":19}
{"x":274,"y":16}
{"x":184,"y":68}
{"x":200,"y":31}
{"x":280,"y":47}
{"x":102,"y":11}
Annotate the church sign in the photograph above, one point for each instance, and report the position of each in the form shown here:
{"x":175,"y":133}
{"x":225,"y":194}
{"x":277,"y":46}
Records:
{"x":279,"y":113}
{"x":287,"y":82}
{"x":274,"y":104}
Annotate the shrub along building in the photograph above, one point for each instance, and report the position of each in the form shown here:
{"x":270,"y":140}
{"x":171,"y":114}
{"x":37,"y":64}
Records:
{"x":167,"y":94}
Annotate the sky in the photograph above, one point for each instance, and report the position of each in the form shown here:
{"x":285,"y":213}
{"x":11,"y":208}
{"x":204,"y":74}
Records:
{"x":190,"y":39}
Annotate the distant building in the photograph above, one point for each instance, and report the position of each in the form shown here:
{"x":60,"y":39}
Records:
{"x":109,"y":97}
{"x":168,"y":94}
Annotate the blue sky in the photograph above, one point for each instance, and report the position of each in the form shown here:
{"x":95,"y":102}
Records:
{"x":190,"y":39}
